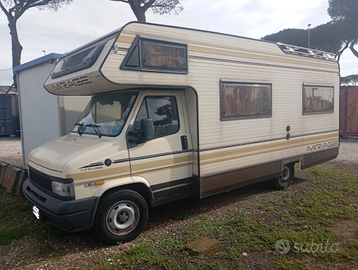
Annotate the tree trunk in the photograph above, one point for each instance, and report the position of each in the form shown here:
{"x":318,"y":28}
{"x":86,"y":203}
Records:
{"x":354,"y":51}
{"x":15,"y":44}
{"x":341,"y":51}
{"x":141,"y":16}
{"x":138,"y":11}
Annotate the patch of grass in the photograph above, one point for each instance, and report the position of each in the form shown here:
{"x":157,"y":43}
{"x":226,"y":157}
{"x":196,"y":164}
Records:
{"x":319,"y":205}
{"x":180,"y":217}
{"x":290,"y":265}
{"x":6,"y":236}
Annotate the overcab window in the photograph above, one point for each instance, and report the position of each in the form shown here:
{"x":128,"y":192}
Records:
{"x":318,"y":99}
{"x":78,"y":61}
{"x":147,"y":54}
{"x":243,"y":100}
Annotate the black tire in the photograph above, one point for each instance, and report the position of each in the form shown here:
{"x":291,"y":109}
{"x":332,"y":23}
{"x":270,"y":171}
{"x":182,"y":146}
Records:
{"x":121,"y":216}
{"x":286,"y":177}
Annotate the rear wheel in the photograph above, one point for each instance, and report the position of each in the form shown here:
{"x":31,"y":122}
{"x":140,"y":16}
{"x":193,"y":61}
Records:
{"x":121,"y":216}
{"x":286,"y":177}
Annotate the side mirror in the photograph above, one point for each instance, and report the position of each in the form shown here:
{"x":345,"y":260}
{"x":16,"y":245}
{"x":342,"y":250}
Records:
{"x":148,"y":129}
{"x":141,"y":131}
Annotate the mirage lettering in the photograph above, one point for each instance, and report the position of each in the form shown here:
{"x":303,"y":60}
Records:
{"x":319,"y":146}
{"x":71,"y":83}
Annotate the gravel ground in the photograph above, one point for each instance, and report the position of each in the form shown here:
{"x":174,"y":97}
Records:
{"x":77,"y":251}
{"x":348,"y":150}
{"x":11,"y":151}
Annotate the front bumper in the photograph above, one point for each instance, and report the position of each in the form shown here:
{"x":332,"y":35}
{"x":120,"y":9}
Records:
{"x":71,"y":216}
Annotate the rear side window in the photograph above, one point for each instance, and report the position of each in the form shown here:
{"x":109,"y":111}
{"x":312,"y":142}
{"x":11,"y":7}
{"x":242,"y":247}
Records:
{"x":245,"y":100}
{"x":317,"y":99}
{"x":163,"y":111}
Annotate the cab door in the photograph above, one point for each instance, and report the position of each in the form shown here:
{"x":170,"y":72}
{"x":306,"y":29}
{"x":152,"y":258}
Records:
{"x":164,"y":160}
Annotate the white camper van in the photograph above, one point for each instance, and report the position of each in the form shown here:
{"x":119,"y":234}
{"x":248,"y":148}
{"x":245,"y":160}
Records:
{"x":179,"y":112}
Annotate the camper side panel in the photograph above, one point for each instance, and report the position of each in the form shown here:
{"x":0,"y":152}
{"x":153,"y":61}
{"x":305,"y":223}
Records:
{"x":228,"y":145}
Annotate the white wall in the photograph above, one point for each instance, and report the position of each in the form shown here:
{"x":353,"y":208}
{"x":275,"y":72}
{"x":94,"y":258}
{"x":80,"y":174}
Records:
{"x":39,"y":110}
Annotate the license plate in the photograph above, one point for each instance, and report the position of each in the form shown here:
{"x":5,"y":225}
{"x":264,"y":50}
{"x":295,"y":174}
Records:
{"x":36,"y":211}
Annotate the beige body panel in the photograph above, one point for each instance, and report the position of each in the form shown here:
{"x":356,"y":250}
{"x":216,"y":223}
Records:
{"x":217,"y":146}
{"x":214,"y":57}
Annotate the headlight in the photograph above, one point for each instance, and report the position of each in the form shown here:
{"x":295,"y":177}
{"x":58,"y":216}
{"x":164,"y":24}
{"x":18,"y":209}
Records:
{"x":63,"y":189}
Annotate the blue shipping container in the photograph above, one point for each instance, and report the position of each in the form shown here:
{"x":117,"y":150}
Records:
{"x":9,"y":115}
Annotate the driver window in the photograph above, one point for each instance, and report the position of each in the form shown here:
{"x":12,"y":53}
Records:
{"x":164,"y":113}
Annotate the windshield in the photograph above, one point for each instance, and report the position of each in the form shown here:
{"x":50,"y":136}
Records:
{"x":105,"y":115}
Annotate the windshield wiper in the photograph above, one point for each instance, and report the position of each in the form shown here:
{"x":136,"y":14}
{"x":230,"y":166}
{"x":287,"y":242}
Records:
{"x":80,"y":125}
{"x":94,"y":126}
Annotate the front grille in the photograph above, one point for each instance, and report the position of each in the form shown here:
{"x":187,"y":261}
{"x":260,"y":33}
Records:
{"x":41,"y":179}
{"x":34,"y":193}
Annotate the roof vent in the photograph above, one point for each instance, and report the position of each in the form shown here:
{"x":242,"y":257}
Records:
{"x":301,"y":51}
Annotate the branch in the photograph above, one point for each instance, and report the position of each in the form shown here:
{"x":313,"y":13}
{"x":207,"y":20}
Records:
{"x":341,"y":51}
{"x":4,"y":10}
{"x":354,"y":51}
{"x":124,"y":1}
{"x":32,"y":4}
{"x":17,"y":10}
{"x":147,"y":5}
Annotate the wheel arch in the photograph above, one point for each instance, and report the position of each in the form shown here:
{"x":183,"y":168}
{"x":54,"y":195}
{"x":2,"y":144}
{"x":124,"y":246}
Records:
{"x":292,"y":161}
{"x":140,"y":188}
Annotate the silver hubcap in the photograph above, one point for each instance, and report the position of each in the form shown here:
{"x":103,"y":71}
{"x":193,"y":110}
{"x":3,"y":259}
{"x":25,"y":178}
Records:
{"x":285,"y":175}
{"x":122,"y":218}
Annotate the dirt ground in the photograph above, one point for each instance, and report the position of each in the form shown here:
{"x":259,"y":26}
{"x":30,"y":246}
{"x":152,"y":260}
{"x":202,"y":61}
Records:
{"x":11,"y":151}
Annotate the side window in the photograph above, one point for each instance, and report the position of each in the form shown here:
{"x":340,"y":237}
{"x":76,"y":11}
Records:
{"x":164,"y":113}
{"x":243,"y":100}
{"x":156,"y":55}
{"x":318,"y":99}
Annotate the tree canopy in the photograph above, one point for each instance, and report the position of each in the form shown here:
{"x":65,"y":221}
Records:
{"x":335,"y":36}
{"x":14,"y":9}
{"x":346,"y":11}
{"x":326,"y":37}
{"x":139,"y":7}
{"x":350,"y":80}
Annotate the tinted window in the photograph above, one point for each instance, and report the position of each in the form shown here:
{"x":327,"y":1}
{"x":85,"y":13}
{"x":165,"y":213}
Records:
{"x":161,"y":55}
{"x":164,"y":113}
{"x":155,"y":55}
{"x":318,"y":99}
{"x":240,"y":100}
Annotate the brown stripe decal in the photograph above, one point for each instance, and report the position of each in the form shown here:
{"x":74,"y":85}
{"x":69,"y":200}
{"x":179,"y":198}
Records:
{"x":100,"y":173}
{"x":257,"y":64}
{"x":262,"y":149}
{"x":154,"y":165}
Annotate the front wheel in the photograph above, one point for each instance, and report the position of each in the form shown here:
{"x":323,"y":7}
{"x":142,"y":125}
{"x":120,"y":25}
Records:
{"x":286,"y":177}
{"x":121,"y":216}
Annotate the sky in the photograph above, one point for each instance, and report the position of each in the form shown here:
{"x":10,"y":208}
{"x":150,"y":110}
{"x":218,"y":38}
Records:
{"x":85,"y":20}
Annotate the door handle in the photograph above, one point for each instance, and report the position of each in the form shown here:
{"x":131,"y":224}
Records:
{"x":184,"y":142}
